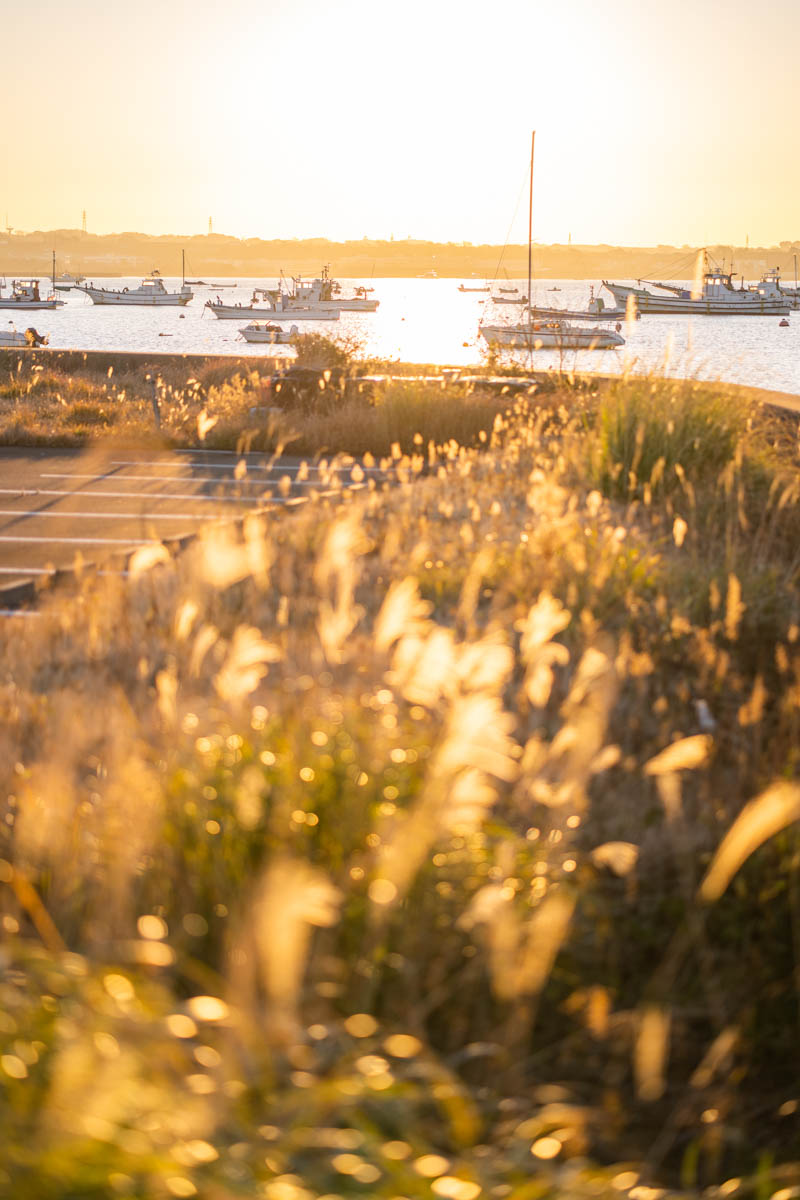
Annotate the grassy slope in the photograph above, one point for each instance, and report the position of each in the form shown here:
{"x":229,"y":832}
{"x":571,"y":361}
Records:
{"x":382,"y":850}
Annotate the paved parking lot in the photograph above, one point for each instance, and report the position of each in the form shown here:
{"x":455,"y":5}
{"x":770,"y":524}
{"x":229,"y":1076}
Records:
{"x":56,"y":504}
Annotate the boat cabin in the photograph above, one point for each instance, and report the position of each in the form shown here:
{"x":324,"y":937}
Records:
{"x":25,"y":289}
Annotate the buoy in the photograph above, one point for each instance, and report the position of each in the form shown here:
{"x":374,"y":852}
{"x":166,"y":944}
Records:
{"x":783,"y":322}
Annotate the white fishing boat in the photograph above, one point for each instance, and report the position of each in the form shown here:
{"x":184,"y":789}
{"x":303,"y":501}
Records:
{"x":595,"y":311}
{"x":150,"y":292}
{"x":17,"y":338}
{"x":716,"y":296}
{"x":322,"y":292}
{"x":265,"y":331}
{"x":66,"y":281}
{"x":550,"y":335}
{"x":25,"y":294}
{"x":771,"y":283}
{"x":269,"y":310}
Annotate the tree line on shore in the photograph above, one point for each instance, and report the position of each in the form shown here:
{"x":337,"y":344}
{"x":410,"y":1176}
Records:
{"x":221,"y":254}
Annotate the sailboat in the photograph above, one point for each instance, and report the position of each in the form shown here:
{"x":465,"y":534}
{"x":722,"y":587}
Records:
{"x":550,"y":333}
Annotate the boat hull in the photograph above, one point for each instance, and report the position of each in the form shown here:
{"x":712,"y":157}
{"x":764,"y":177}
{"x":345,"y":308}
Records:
{"x":240,"y":312}
{"x":167,"y":300}
{"x":736,"y":304}
{"x":273,"y":337}
{"x":30,"y":304}
{"x":528,"y":337}
{"x":570,"y":314}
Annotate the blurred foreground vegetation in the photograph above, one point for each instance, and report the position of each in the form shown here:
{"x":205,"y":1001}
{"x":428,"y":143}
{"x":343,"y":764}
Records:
{"x":439,"y":839}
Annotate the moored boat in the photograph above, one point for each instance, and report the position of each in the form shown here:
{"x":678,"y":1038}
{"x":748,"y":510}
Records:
{"x":10,"y":338}
{"x":550,"y":335}
{"x":716,"y":296}
{"x":151,"y":292}
{"x":322,"y":292}
{"x":25,"y":294}
{"x":265,"y":331}
{"x":277,"y":310}
{"x":66,"y":281}
{"x":595,"y":311}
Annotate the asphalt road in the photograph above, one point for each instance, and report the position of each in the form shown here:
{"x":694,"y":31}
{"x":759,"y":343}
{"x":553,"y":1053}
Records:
{"x":59,"y":504}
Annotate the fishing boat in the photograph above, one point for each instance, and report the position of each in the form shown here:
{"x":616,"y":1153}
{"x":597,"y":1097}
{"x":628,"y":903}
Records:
{"x":551,"y":334}
{"x":269,"y":309}
{"x":771,"y":280}
{"x":595,"y":311}
{"x":716,"y":296}
{"x":265,"y":331}
{"x":509,"y":299}
{"x":66,"y":281}
{"x":14,"y":338}
{"x":322,"y":292}
{"x":462,"y":288}
{"x":25,"y":294}
{"x":151,"y":292}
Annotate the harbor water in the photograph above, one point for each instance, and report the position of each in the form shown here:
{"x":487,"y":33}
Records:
{"x":430,"y":321}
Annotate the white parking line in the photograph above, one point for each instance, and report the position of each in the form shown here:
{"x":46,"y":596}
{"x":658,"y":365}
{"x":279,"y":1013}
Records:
{"x":87,"y":541}
{"x":101,"y":516}
{"x":26,"y":571}
{"x":134,"y":495}
{"x":184,"y":466}
{"x":182,"y":479}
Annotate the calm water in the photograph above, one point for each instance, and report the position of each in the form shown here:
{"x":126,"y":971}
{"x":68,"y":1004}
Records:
{"x":430,"y":321}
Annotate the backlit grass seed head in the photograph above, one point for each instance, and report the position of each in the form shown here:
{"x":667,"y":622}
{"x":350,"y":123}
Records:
{"x":147,"y":557}
{"x":291,"y":899}
{"x":403,"y":613}
{"x":766,"y":815}
{"x":246,"y":664}
{"x":546,"y":618}
{"x":558,"y":773}
{"x":521,"y":950}
{"x":336,"y":573}
{"x":222,"y":559}
{"x":650,"y":1052}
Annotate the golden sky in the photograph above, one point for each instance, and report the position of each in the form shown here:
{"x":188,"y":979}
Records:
{"x":657,"y":121}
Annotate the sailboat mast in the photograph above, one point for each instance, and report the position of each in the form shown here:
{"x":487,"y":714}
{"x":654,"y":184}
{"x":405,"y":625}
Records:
{"x":530,"y":222}
{"x":54,"y":273}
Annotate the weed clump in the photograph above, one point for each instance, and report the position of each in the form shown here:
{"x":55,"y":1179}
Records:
{"x":440,"y":838}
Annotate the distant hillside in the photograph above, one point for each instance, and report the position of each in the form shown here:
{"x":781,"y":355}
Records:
{"x":218,"y":254}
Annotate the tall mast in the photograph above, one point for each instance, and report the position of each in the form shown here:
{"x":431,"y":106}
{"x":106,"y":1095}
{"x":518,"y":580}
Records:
{"x":530,"y":225}
{"x":183,"y":268}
